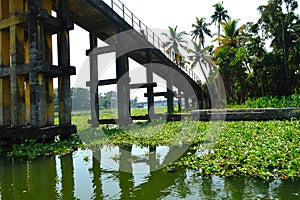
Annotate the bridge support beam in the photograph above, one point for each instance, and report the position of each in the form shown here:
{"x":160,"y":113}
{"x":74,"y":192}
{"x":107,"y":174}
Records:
{"x":122,"y":74}
{"x":94,"y":81}
{"x":26,"y":70}
{"x":123,"y":90}
{"x":150,"y":91}
{"x":170,"y":94}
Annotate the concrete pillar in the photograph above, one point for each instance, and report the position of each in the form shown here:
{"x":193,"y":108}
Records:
{"x":49,"y":100}
{"x":94,"y":81}
{"x":179,"y":101}
{"x":123,"y":90}
{"x":170,"y":94}
{"x":17,"y":57}
{"x":149,"y":74}
{"x":4,"y":61}
{"x":64,"y":90}
{"x":36,"y":80}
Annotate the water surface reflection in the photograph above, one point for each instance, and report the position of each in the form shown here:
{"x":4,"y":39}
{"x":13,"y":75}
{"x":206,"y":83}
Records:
{"x":95,"y":175}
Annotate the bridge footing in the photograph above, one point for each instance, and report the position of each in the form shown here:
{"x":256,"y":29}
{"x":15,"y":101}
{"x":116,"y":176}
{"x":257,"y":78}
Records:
{"x":47,"y":133}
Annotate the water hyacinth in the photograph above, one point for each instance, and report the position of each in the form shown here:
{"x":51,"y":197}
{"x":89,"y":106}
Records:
{"x":268,"y":149}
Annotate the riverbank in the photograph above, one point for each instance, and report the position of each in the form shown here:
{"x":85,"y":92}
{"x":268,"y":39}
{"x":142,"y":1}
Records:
{"x":269,"y":149}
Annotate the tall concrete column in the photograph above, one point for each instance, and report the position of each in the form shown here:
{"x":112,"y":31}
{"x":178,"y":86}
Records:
{"x":94,"y":81}
{"x":170,"y":94}
{"x":149,"y":74}
{"x":64,"y":90}
{"x":123,"y":90}
{"x":17,"y":57}
{"x":36,"y":79}
{"x":4,"y":61}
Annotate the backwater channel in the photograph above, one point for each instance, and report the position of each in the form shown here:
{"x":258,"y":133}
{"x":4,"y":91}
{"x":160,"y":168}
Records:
{"x":87,"y":174}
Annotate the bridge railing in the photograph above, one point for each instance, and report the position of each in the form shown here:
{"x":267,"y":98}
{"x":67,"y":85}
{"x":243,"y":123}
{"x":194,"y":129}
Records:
{"x":118,"y":7}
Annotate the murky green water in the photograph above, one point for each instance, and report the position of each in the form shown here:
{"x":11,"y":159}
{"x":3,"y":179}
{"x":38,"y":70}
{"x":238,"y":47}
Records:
{"x":82,"y":176}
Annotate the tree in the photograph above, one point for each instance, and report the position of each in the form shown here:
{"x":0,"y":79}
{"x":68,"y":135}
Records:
{"x":231,"y":58}
{"x":200,"y":30}
{"x":219,"y":15}
{"x":80,"y":99}
{"x":174,"y":41}
{"x":231,"y":36}
{"x":281,"y":27}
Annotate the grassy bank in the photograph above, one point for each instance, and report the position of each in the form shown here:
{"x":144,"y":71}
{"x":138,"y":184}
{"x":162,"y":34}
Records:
{"x":260,"y":149}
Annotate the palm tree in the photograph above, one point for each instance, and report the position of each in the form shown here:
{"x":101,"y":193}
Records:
{"x":231,"y":33}
{"x":198,"y":56}
{"x":200,"y":30}
{"x":175,"y":40}
{"x":219,"y":15}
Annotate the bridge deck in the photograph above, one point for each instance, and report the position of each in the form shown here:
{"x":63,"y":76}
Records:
{"x":98,"y":17}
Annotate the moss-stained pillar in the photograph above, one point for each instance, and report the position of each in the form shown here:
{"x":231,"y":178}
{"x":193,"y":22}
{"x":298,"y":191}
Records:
{"x":64,"y":90}
{"x":36,"y":80}
{"x":16,"y":58}
{"x":4,"y":61}
{"x":47,"y":4}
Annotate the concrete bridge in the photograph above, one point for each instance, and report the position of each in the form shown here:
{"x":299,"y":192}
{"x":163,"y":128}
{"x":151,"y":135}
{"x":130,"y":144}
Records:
{"x":27,"y":70}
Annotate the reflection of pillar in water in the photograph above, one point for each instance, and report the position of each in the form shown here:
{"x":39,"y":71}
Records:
{"x":6,"y":179}
{"x":235,"y":188}
{"x":125,"y":170}
{"x":19,"y":176}
{"x":97,"y":184}
{"x":153,"y":162}
{"x":67,"y":171}
{"x":42,"y":182}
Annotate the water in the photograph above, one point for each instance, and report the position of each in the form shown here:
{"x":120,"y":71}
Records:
{"x":82,"y":176}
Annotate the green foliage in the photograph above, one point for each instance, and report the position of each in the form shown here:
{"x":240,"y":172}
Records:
{"x":259,"y":149}
{"x":31,"y":149}
{"x":80,"y":99}
{"x":270,"y":102}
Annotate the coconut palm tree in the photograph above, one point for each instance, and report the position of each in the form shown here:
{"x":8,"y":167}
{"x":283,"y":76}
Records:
{"x":174,"y":41}
{"x":198,"y":56}
{"x":219,"y":15}
{"x":231,"y":34}
{"x":200,"y":30}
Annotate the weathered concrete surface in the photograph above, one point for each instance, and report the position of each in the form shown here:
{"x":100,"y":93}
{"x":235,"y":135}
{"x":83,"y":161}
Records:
{"x":259,"y":114}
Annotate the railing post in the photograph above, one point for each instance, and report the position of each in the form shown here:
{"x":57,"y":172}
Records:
{"x":123,"y":10}
{"x":153,"y":39}
{"x":112,"y":4}
{"x":132,"y":20}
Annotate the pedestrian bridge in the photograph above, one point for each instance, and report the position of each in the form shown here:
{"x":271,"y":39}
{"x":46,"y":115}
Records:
{"x":27,"y":70}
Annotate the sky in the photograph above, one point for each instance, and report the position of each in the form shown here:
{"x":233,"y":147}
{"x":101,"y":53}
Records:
{"x":159,"y":14}
{"x":164,"y":13}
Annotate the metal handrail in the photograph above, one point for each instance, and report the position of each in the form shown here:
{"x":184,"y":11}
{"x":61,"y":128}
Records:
{"x":118,"y":7}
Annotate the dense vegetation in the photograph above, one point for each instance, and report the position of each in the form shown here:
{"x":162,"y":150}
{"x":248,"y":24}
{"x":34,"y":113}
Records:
{"x":260,"y":149}
{"x":270,"y":102}
{"x":255,"y":59}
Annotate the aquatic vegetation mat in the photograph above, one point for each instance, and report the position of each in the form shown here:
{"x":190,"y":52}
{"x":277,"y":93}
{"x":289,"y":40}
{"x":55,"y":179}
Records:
{"x":269,"y":149}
